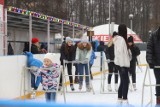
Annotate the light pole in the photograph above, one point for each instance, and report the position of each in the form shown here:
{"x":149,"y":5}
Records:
{"x":131,"y":21}
{"x":109,"y":16}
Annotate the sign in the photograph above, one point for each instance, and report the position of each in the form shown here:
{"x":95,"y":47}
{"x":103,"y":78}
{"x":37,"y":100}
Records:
{"x":105,"y":38}
{"x":90,"y":33}
{"x":2,"y":2}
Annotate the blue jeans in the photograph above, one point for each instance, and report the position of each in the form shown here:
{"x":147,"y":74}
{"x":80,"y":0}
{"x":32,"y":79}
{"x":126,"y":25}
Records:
{"x":35,"y":82}
{"x":81,"y":68}
{"x":50,"y":96}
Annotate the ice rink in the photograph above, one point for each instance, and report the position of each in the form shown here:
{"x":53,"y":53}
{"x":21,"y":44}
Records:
{"x":134,"y":97}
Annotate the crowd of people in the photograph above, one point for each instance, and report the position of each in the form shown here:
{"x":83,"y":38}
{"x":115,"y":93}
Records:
{"x":121,"y":54}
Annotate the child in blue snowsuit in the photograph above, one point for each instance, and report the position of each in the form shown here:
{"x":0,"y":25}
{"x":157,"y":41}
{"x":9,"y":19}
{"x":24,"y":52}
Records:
{"x":34,"y":63}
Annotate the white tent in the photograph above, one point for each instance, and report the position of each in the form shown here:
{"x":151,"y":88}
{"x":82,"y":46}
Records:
{"x":101,"y":33}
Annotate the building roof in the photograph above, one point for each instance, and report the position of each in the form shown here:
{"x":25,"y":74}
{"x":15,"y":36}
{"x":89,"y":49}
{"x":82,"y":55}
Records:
{"x":19,"y":18}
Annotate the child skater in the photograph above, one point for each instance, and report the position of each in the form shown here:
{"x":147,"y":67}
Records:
{"x":50,"y":74}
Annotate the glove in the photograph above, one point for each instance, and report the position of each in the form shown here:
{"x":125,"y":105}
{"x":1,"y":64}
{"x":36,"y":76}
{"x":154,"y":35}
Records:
{"x":85,"y":61}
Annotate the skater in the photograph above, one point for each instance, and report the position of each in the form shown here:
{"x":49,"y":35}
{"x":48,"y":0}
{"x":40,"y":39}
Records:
{"x":132,"y":70}
{"x":83,"y":54}
{"x":35,"y":64}
{"x":67,"y":53}
{"x":153,"y":59}
{"x":50,"y":74}
{"x":76,"y":80}
{"x":122,"y":60}
{"x":111,"y":65}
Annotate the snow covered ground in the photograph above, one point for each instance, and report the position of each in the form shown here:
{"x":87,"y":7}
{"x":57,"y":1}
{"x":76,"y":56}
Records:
{"x":134,"y":97}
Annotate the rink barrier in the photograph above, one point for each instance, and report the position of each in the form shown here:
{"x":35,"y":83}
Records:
{"x":64,"y":75}
{"x":28,"y":89}
{"x":147,"y":71}
{"x":13,"y":103}
{"x":39,"y":93}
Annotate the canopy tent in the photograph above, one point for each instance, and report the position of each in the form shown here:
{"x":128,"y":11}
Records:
{"x":101,"y":33}
{"x":32,"y":21}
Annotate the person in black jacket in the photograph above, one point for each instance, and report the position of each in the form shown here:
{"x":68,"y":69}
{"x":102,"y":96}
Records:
{"x":111,"y":65}
{"x":101,"y":47}
{"x":67,"y":53}
{"x":153,"y":58}
{"x":135,"y":52}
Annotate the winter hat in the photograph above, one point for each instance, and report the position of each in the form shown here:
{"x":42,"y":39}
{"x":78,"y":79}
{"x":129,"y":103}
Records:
{"x":31,"y":61}
{"x":35,"y":40}
{"x":68,"y":39}
{"x":50,"y":56}
{"x":130,"y":39}
{"x":83,"y":40}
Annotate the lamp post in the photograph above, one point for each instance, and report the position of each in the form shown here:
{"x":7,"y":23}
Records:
{"x":131,"y":21}
{"x":109,"y":16}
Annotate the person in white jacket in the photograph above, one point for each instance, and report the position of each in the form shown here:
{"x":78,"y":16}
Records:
{"x":122,"y":61}
{"x":83,"y":54}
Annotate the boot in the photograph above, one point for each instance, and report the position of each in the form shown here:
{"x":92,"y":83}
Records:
{"x":116,"y":87}
{"x":158,"y":100}
{"x":109,"y":87}
{"x":76,"y":80}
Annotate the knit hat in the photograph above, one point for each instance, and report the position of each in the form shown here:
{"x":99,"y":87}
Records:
{"x":50,"y":56}
{"x":68,"y":39}
{"x":130,"y":39}
{"x":84,"y":40}
{"x":35,"y":40}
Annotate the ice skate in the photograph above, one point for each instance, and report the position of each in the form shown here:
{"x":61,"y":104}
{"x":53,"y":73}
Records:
{"x":134,"y":87}
{"x":72,"y":87}
{"x":33,"y":94}
{"x":88,"y":88}
{"x":116,"y":87}
{"x":59,"y":88}
{"x":109,"y":87}
{"x":80,"y":87}
{"x":131,"y":87}
{"x":125,"y":103}
{"x":119,"y":102}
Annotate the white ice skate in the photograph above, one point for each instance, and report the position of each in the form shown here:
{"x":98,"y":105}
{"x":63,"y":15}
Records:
{"x":33,"y":94}
{"x":109,"y":87}
{"x":116,"y":87}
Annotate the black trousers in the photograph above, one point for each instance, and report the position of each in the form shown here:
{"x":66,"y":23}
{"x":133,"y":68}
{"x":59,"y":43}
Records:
{"x":124,"y":83}
{"x":112,"y":69}
{"x":157,"y":77}
{"x":69,"y":69}
{"x":132,"y":70}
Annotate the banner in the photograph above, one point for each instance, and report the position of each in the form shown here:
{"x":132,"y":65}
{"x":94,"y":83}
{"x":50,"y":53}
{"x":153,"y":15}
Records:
{"x":106,"y":38}
{"x":2,"y":2}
